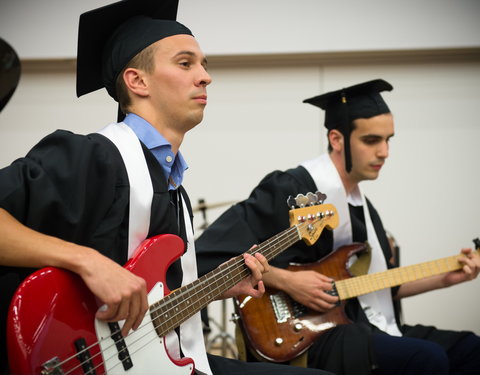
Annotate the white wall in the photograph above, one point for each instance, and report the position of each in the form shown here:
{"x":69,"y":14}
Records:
{"x":272,"y":26}
{"x":428,"y":192}
{"x":255,"y":122}
{"x":48,"y":28}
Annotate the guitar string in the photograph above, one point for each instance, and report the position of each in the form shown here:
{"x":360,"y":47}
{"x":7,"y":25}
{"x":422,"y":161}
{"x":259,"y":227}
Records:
{"x":257,"y":249}
{"x":237,"y":266}
{"x":403,"y":273}
{"x":147,"y":324}
{"x":155,"y":338}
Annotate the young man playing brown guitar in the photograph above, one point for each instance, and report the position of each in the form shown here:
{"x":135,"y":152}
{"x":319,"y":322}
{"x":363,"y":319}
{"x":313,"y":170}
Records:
{"x":360,"y":127}
{"x":85,"y":203}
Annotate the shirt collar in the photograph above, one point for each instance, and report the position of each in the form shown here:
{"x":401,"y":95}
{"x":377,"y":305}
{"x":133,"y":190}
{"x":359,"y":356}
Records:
{"x":149,"y":136}
{"x":355,"y":197}
{"x":159,"y":146}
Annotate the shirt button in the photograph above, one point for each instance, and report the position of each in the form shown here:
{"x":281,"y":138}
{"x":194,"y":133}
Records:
{"x":169,"y":159}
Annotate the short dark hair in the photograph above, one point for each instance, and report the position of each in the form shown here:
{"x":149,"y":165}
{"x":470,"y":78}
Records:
{"x":352,"y":127}
{"x":144,"y":60}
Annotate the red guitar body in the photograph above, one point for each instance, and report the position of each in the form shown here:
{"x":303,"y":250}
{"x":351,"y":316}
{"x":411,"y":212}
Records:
{"x":53,"y":308}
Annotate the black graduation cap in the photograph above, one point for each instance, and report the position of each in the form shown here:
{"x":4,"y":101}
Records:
{"x":343,"y":106}
{"x":10,"y":70}
{"x":110,"y":36}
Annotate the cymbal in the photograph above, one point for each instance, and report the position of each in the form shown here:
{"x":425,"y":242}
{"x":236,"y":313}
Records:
{"x":206,"y":206}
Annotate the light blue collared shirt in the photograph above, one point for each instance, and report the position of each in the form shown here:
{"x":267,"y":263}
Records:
{"x":173,"y":165}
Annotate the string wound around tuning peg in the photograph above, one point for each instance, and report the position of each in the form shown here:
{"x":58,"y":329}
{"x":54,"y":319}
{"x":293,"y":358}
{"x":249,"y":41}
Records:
{"x":291,"y":203}
{"x":312,"y":199}
{"x":321,"y":197}
{"x":301,"y":200}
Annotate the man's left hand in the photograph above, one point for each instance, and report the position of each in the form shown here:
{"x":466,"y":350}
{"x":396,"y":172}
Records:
{"x":470,"y":262}
{"x":253,"y":284}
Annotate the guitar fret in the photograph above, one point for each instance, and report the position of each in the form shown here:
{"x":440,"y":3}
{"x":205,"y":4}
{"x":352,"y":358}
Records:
{"x":270,"y":310}
{"x":193,"y":298}
{"x":163,"y":315}
{"x":184,"y":302}
{"x":280,"y":242}
{"x":364,"y":284}
{"x":169,"y":313}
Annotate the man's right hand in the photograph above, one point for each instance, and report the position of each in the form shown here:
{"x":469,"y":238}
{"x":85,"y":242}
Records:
{"x":305,"y":287}
{"x":123,"y":294}
{"x":308,"y":288}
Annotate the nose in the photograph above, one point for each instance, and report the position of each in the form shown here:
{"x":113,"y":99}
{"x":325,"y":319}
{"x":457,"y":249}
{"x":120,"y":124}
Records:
{"x":382,"y":150}
{"x":204,"y":78}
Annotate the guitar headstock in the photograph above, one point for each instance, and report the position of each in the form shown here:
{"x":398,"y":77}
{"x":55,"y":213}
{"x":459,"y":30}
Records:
{"x":312,"y":216}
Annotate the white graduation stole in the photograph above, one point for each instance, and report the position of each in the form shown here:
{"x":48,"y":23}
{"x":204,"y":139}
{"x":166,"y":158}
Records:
{"x":378,"y":306}
{"x":141,"y":196}
{"x":191,"y":331}
{"x":141,"y":189}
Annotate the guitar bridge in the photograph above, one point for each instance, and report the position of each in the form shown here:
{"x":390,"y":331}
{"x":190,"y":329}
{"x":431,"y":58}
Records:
{"x":52,"y":367}
{"x":280,"y":307}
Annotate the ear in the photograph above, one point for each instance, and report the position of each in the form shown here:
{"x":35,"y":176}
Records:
{"x":336,"y":138}
{"x":135,"y":81}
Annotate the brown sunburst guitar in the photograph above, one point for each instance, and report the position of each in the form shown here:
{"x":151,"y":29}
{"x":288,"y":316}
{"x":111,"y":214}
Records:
{"x":278,"y":329}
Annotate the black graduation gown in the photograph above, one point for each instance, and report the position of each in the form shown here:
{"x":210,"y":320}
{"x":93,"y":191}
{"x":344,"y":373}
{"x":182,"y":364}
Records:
{"x":76,"y":188}
{"x":344,"y":349}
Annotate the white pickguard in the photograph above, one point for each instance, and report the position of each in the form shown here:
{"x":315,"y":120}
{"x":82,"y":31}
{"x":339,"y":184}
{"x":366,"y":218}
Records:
{"x":147,"y":351}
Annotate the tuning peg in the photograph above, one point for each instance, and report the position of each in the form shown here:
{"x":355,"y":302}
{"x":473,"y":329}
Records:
{"x":321,"y":197}
{"x":476,"y":241}
{"x":291,"y":202}
{"x":301,"y":200}
{"x":312,"y":198}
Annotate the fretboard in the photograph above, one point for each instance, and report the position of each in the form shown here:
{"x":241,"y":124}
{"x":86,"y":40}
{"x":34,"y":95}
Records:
{"x":181,"y":304}
{"x":357,"y":286}
{"x":171,"y":311}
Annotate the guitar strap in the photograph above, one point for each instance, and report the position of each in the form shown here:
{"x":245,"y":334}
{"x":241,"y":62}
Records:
{"x":141,"y":196}
{"x":378,"y":306}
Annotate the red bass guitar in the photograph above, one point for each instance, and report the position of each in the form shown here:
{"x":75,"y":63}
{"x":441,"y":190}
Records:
{"x":51,"y":327}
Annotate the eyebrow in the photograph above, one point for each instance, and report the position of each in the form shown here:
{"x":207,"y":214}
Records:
{"x":193,"y":54}
{"x":377,"y":136}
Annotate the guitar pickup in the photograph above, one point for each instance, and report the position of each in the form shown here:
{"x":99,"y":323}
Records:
{"x":123,"y":354}
{"x":84,"y":357}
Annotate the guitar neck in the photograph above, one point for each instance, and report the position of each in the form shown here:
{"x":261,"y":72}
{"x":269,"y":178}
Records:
{"x":171,"y":311}
{"x":357,"y":286}
{"x":184,"y":302}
